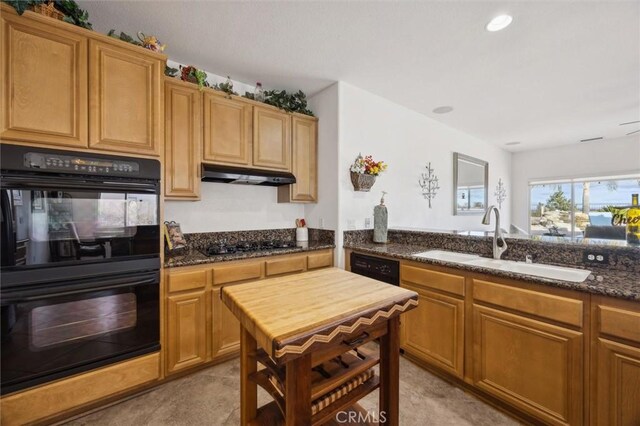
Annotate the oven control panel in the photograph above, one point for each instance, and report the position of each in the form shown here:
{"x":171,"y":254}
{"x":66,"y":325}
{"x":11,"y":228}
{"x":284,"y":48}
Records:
{"x":99,"y":166}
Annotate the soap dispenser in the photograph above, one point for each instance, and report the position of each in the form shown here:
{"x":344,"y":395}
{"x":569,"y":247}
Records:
{"x":380,"y":218}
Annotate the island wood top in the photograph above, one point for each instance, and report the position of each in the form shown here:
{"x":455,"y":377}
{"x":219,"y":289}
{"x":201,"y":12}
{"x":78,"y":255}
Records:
{"x":292,"y":315}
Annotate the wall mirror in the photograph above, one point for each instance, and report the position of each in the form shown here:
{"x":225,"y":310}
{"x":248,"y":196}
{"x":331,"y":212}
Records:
{"x":470,"y":185}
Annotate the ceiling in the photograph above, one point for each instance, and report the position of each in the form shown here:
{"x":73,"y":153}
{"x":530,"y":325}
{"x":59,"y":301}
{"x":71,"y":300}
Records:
{"x":562,"y":72}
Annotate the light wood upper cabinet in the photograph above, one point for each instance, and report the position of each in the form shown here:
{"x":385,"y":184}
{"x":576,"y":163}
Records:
{"x":304,"y":162}
{"x":43,"y":83}
{"x":183,"y":140}
{"x":225,"y":336}
{"x":125,"y":94}
{"x":227,"y":130}
{"x":271,"y":139}
{"x":186,"y":331}
{"x":434,"y":331}
{"x":534,"y":366}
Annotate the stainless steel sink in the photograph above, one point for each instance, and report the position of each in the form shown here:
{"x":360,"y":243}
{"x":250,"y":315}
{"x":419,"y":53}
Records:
{"x":534,"y":269}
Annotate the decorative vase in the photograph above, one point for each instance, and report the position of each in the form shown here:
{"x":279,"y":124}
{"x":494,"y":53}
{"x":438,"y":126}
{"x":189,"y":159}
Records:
{"x":362,"y":182}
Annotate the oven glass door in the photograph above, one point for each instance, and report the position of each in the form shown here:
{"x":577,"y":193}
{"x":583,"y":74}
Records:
{"x":52,"y":332}
{"x":46,"y":224}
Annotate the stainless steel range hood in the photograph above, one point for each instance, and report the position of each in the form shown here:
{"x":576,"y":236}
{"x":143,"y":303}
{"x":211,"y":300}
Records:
{"x":241,"y":175}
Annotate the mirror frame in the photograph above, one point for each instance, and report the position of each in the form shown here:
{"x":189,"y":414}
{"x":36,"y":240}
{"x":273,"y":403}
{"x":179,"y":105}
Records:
{"x":457,"y":156}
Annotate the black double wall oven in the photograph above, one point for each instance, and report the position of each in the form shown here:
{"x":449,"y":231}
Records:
{"x":80,"y":242}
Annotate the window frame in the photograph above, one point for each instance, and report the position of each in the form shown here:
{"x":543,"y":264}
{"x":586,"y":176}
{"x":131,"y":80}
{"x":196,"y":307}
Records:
{"x":572,"y":180}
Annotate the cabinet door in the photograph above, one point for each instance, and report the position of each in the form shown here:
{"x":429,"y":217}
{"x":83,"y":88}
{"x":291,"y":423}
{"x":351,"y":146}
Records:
{"x":304,"y":163}
{"x":618,"y":384}
{"x":226,"y":328}
{"x":43,"y":83}
{"x":271,"y":139}
{"x":125,"y":93}
{"x":183,"y":141}
{"x":227,"y":130}
{"x":534,"y":366}
{"x":434,"y":331}
{"x":186,"y":330}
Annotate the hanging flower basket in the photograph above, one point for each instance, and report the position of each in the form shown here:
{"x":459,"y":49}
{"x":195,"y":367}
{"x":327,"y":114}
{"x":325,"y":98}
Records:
{"x":362,"y":182}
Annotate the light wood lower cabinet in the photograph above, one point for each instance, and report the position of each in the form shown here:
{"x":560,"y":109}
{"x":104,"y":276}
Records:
{"x":434,"y":331}
{"x":183,"y":140}
{"x":618,"y":389}
{"x":550,"y":355}
{"x":535,"y":366}
{"x":125,"y":94}
{"x":70,"y":395}
{"x":225,"y":336}
{"x":200,"y":329}
{"x":43,"y":82}
{"x":186,"y":331}
{"x":615,"y":398}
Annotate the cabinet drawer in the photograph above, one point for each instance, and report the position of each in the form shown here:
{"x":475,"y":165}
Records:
{"x":187,"y":280}
{"x":42,"y":402}
{"x":436,"y":280}
{"x":618,"y":322}
{"x":556,"y":308}
{"x":320,"y":260}
{"x":283,"y":266}
{"x":239,"y":272}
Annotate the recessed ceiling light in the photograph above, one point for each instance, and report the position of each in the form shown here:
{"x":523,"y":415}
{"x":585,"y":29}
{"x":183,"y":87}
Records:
{"x":499,"y":23}
{"x":513,"y":143}
{"x":443,"y":109}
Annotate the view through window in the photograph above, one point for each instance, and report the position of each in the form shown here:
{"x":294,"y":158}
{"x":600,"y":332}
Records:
{"x":581,"y":207}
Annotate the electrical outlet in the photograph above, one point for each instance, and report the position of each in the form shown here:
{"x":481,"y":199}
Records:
{"x":321,"y":223}
{"x":367,"y":222}
{"x":598,"y":258}
{"x":351,"y":224}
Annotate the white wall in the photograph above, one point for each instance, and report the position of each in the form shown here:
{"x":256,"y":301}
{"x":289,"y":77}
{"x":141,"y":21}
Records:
{"x":324,"y":214}
{"x":591,"y":159}
{"x":406,"y":140}
{"x":226,"y":207}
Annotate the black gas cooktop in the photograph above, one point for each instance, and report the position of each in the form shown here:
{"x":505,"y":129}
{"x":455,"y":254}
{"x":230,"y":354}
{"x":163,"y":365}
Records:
{"x":247,"y":246}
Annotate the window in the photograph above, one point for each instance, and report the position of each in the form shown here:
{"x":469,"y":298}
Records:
{"x":581,"y":207}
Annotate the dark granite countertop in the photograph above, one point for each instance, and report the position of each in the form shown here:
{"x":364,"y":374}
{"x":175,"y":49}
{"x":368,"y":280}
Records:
{"x":602,"y":281}
{"x":196,"y":257}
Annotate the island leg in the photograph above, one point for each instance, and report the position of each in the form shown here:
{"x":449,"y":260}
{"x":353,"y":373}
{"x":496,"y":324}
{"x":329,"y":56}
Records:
{"x":389,"y":373}
{"x":298,"y":391}
{"x":248,"y":389}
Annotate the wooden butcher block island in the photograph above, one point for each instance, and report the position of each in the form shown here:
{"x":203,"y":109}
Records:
{"x":301,"y":341}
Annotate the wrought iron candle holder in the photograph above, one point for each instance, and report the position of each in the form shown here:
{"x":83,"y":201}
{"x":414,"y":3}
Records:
{"x":429,"y":184}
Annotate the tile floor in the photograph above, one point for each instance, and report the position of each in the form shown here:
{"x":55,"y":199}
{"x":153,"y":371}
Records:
{"x":210,"y":397}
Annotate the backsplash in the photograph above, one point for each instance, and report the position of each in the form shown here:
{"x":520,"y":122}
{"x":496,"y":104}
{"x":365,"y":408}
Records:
{"x":620,"y":258}
{"x":201,"y":240}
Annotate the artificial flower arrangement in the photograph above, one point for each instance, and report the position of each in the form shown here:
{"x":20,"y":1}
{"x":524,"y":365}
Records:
{"x":364,"y":171}
{"x":367,"y":165}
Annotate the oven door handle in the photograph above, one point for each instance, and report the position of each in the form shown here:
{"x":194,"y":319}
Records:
{"x":68,"y":290}
{"x":80,"y":184}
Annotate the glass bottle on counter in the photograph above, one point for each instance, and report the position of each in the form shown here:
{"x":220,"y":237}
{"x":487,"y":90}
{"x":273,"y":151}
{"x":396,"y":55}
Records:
{"x":633,"y":221}
{"x":258,"y":94}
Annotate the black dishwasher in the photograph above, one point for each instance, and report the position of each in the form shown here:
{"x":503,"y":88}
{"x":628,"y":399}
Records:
{"x":385,"y":270}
